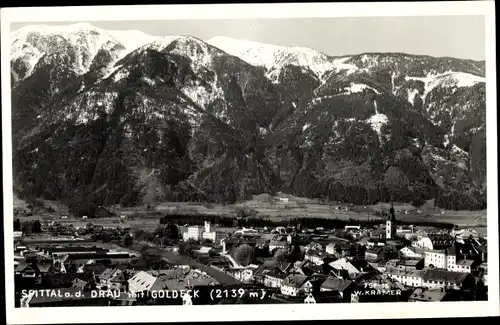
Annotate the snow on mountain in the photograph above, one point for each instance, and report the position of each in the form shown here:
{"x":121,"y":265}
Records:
{"x":357,"y":88}
{"x":31,"y":42}
{"x":448,"y":79}
{"x":411,"y":95}
{"x":377,"y":120}
{"x":273,"y":57}
{"x":200,"y":53}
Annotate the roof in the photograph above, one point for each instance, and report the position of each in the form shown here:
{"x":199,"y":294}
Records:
{"x":276,"y":273}
{"x":118,"y":278}
{"x":294,"y":280}
{"x":197,"y":278}
{"x":313,"y":252}
{"x":428,"y":295}
{"x":177,"y":273}
{"x":336,"y":284}
{"x":98,"y":269}
{"x":409,"y":262}
{"x":445,"y":276}
{"x":107,"y":274}
{"x":143,"y":281}
{"x":79,"y":283}
{"x":465,"y":262}
{"x":345,"y":264}
{"x":375,"y":250}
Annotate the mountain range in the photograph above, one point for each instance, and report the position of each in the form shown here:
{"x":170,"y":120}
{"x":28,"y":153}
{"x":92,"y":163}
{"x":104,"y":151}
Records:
{"x":120,"y":117}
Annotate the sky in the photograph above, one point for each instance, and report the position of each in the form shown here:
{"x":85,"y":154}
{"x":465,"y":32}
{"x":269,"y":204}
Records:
{"x":454,"y":36}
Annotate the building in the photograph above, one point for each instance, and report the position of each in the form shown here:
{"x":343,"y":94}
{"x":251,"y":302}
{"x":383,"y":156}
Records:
{"x":193,"y":233}
{"x":274,"y":245}
{"x":314,"y":246}
{"x":274,"y":279}
{"x":331,"y":249}
{"x":292,"y":285}
{"x":374,"y":254}
{"x":107,"y":275}
{"x":412,"y":252}
{"x":425,"y":295}
{"x":406,"y":277}
{"x":402,"y":231}
{"x":340,"y":287}
{"x":463,"y":266}
{"x":436,"y":259}
{"x":246,"y":231}
{"x":390,"y":225}
{"x":436,"y":279}
{"x":214,"y":236}
{"x":245,"y":275}
{"x":351,"y":267}
{"x":375,"y":242}
{"x":144,"y":282}
{"x":314,"y":256}
{"x":411,"y":264}
{"x":423,"y":242}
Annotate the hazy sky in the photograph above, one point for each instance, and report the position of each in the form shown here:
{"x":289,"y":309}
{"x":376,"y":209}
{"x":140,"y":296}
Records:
{"x":454,"y":36}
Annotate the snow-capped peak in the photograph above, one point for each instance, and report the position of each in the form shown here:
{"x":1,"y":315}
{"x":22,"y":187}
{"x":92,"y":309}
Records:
{"x":449,"y":79}
{"x":31,"y":42}
{"x":274,"y":57}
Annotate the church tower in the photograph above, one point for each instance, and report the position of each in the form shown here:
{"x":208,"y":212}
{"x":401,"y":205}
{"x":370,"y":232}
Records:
{"x":390,"y":227}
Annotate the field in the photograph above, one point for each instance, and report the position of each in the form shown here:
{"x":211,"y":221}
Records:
{"x":264,"y":206}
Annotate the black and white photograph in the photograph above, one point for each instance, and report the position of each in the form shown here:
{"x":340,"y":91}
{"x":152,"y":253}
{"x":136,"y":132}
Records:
{"x":327,"y":162}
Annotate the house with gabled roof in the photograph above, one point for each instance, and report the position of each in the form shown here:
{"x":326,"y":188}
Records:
{"x":338,"y":286}
{"x":273,"y":278}
{"x":199,"y":278}
{"x":107,"y":275}
{"x":292,"y":284}
{"x":426,"y":295}
{"x":144,"y":282}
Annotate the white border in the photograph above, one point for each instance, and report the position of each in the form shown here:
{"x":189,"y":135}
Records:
{"x":249,"y":312}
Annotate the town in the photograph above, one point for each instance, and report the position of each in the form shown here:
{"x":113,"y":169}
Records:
{"x":381,"y":261}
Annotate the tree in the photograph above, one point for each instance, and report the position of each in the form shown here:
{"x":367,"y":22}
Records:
{"x":171,"y":231}
{"x":395,"y":180}
{"x":244,"y":254}
{"x":127,"y":240}
{"x":36,"y":227}
{"x":26,"y":228}
{"x":185,"y":249}
{"x":106,"y":236}
{"x":17,"y":225}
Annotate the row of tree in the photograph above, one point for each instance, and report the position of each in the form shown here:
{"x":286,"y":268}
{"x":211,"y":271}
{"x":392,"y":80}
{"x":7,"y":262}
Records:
{"x":28,"y":227}
{"x":302,"y":222}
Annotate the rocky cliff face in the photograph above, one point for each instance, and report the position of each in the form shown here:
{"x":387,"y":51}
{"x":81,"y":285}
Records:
{"x":103,"y":121}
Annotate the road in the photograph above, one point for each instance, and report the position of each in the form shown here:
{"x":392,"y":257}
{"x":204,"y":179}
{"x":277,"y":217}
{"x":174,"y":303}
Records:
{"x":178,"y":259}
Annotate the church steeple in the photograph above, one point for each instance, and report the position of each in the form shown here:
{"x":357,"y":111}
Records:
{"x":392,"y":216}
{"x":390,"y":230}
